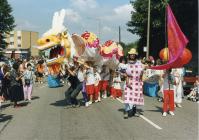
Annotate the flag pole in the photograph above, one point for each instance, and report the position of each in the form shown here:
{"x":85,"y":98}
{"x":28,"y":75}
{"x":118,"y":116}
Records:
{"x":166,"y":34}
{"x":148,"y":28}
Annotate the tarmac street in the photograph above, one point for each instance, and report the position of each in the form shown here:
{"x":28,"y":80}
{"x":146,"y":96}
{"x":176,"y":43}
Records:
{"x":48,"y":117}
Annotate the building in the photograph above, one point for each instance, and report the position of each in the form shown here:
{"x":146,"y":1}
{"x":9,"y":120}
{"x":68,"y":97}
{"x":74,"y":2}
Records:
{"x":21,"y":44}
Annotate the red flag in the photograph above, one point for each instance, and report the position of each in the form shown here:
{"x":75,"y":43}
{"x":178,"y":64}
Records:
{"x":177,"y":41}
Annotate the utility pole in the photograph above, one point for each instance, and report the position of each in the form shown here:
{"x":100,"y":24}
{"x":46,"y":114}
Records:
{"x":119,"y":34}
{"x":30,"y":44}
{"x":148,"y":29}
{"x":98,"y":23}
{"x":99,"y":27}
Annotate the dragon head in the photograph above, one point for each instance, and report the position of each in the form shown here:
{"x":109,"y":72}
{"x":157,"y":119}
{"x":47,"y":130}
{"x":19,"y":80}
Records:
{"x":55,"y":48}
{"x":56,"y":44}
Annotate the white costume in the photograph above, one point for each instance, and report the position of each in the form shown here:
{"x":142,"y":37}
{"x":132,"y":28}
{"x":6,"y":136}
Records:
{"x":178,"y":88}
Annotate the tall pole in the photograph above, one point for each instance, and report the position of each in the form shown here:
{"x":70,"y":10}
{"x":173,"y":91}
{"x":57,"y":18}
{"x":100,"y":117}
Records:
{"x":119,"y":34}
{"x":148,"y":29}
{"x":99,"y":24}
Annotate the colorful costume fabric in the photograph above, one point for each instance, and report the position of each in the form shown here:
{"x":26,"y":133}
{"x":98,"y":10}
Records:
{"x":133,"y":93}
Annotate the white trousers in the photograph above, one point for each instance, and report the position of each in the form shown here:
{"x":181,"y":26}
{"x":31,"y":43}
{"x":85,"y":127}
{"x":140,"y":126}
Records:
{"x":178,"y":93}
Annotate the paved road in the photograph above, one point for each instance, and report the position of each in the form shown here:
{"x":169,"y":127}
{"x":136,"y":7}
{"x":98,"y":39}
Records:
{"x":48,"y":118}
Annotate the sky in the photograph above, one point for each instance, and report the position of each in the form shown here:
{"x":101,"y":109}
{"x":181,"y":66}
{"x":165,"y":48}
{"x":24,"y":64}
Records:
{"x":103,"y":17}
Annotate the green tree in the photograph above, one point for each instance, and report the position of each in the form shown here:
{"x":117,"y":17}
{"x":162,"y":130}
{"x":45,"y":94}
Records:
{"x":186,"y":13}
{"x":129,"y":46}
{"x":6,"y":21}
{"x":138,"y":25}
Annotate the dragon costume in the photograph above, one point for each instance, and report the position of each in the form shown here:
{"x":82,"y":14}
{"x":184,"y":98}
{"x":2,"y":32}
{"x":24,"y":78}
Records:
{"x":57,"y":46}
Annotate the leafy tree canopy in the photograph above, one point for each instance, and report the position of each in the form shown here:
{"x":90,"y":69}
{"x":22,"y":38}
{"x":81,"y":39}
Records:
{"x":186,"y":13}
{"x":6,"y":21}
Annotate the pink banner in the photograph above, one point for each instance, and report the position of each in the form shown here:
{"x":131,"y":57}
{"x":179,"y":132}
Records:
{"x":177,"y":41}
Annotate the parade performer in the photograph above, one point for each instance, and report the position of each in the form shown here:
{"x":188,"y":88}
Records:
{"x":111,"y":53}
{"x":75,"y":86}
{"x":57,"y":45}
{"x":133,"y":93}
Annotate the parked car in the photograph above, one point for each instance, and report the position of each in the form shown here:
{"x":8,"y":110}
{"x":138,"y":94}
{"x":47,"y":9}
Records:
{"x":189,"y":80}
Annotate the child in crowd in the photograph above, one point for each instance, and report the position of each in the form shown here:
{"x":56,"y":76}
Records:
{"x":122,"y":69}
{"x":122,"y":65}
{"x":168,"y":91}
{"x":116,"y":87}
{"x":193,"y":95}
{"x":90,"y":81}
{"x":105,"y":76}
{"x":96,"y":85}
{"x":81,"y":76}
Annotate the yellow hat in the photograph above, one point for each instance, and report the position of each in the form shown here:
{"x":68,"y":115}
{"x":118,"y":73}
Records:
{"x":133,"y":51}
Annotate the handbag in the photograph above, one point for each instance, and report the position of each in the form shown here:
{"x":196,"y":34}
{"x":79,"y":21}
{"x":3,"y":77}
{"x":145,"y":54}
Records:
{"x":27,"y":81}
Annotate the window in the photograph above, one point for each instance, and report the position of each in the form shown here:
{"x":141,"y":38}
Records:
{"x":11,"y":46}
{"x":11,"y":43}
{"x":19,"y":37}
{"x":11,"y":39}
{"x":19,"y":45}
{"x":11,"y":35}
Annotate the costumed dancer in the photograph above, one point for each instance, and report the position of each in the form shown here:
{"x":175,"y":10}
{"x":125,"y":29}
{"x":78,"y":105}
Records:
{"x":75,"y":86}
{"x":53,"y":76}
{"x":81,"y":76}
{"x":133,"y":93}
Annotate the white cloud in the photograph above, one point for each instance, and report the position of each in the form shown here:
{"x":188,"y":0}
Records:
{"x":120,"y":13}
{"x":124,"y":9}
{"x":84,"y":4}
{"x":72,"y":15}
{"x":106,"y":29}
{"x":22,"y":24}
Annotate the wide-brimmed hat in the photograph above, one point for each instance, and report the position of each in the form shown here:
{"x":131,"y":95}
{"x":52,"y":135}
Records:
{"x":2,"y":63}
{"x":133,"y":51}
